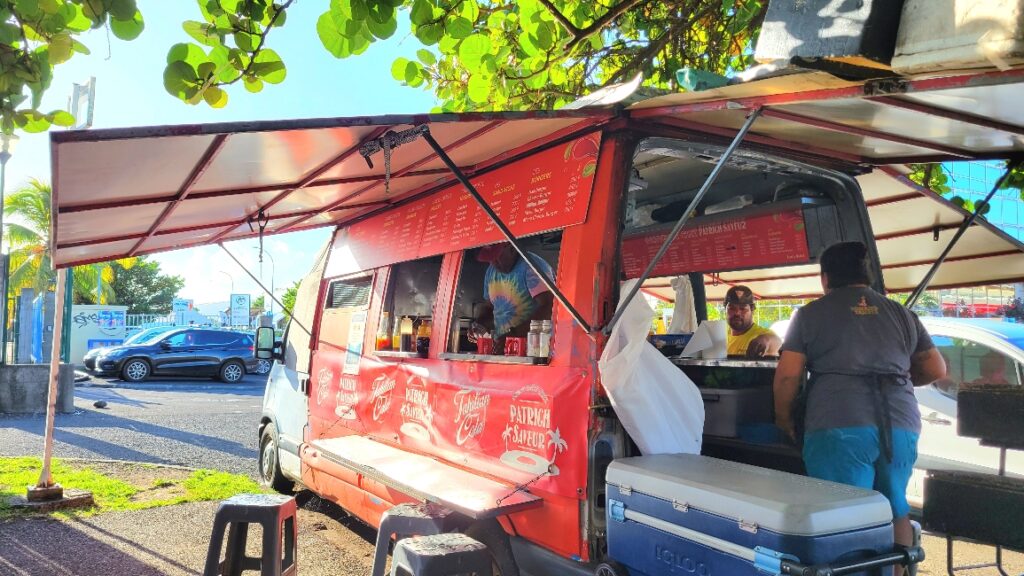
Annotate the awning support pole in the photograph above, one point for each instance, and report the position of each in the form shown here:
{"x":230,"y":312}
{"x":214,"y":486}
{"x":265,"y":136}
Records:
{"x":916,"y":294}
{"x":504,"y":230}
{"x":45,"y":478}
{"x":685,"y":217}
{"x":271,"y":293}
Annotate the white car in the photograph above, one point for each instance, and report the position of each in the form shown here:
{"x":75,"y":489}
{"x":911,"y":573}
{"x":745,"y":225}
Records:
{"x":966,"y":344}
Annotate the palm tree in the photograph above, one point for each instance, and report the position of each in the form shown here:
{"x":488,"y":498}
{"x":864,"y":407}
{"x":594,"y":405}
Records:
{"x":28,"y":238}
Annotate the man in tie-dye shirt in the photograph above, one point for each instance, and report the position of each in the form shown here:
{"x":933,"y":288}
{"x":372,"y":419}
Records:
{"x":514,"y":292}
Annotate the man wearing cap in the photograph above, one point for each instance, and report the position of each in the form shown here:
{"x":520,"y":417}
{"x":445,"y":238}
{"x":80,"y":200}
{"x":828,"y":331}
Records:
{"x":746,"y":338}
{"x":515,"y":294}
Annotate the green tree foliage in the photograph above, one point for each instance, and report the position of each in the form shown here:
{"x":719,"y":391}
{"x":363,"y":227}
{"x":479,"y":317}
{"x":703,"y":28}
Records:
{"x":288,"y":298}
{"x":27,"y":233}
{"x":934,"y":178}
{"x":476,"y":54}
{"x":144,"y":289}
{"x":35,"y":36}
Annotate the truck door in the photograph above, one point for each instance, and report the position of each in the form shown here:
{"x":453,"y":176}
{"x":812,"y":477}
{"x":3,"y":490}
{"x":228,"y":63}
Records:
{"x":285,"y":402}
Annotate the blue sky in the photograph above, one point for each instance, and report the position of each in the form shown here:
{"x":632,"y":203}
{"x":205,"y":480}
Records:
{"x":129,"y":77}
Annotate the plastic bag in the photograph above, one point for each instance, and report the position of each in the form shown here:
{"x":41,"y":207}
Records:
{"x":658,"y":405}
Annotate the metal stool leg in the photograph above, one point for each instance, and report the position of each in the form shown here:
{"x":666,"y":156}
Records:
{"x":234,"y":558}
{"x":270,"y":560}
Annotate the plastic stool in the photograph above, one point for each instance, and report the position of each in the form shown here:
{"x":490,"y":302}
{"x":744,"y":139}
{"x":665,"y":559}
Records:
{"x":276,"y":514}
{"x":407,"y":520}
{"x":441,"y":555}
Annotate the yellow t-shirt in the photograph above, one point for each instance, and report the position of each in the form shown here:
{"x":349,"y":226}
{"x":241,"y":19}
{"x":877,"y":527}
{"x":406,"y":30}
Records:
{"x":738,"y":344}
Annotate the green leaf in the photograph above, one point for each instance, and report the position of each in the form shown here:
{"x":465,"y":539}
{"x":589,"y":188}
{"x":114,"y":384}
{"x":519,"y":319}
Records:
{"x":358,"y":10}
{"x":331,"y":36}
{"x":62,"y":118}
{"x":74,"y":18}
{"x":430,"y":34}
{"x":253,"y":85}
{"x":411,"y":74}
{"x":398,"y":69}
{"x":381,"y":12}
{"x":382,"y":30}
{"x":426,"y":57}
{"x":180,"y":80}
{"x":470,"y":10}
{"x":128,"y":29}
{"x":80,"y":48}
{"x":458,"y":27}
{"x":185,"y":52}
{"x":215,"y":97}
{"x":269,"y":67}
{"x":205,"y":70}
{"x":203,"y":33}
{"x":35,"y":123}
{"x":123,"y":9}
{"x":544,"y":38}
{"x":245,"y":41}
{"x":61,"y":49}
{"x":226,"y":70}
{"x":281,"y":16}
{"x":421,"y":13}
{"x":230,"y":5}
{"x":49,"y":6}
{"x":473,"y":49}
{"x":479,"y":89}
{"x":449,"y":45}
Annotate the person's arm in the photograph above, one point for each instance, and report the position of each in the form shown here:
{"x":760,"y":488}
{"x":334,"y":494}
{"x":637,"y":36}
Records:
{"x":788,"y":376}
{"x":927,"y":367}
{"x":767,"y":344}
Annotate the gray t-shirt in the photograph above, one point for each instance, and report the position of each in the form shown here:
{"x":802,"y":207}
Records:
{"x":848,"y":335}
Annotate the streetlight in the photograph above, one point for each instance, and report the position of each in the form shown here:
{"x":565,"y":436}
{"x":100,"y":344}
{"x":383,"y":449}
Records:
{"x":7,"y":144}
{"x":232,"y":279}
{"x":273,"y":268}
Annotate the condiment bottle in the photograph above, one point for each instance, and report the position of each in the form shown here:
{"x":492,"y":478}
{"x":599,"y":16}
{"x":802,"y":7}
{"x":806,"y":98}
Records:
{"x":533,"y":339}
{"x":407,"y":341}
{"x":384,"y":332}
{"x":544,"y":337}
{"x":396,"y":334}
{"x":423,"y":337}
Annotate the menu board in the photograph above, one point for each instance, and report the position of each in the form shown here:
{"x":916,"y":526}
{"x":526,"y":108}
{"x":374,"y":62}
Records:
{"x":766,"y":239}
{"x":547,"y":191}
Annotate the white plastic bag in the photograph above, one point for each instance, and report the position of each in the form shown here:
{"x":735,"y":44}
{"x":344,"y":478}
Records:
{"x":684,"y":318}
{"x":658,"y":405}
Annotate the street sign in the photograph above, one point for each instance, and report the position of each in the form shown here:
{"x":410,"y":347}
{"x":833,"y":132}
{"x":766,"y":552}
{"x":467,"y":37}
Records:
{"x":239,"y":309}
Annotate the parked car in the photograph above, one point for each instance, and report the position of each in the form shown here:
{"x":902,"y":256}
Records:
{"x":137,"y":338}
{"x":976,"y":351}
{"x":185,"y":352}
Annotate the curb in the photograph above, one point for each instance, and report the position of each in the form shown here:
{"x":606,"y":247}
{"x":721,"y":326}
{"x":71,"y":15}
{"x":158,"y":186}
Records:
{"x":130,"y":463}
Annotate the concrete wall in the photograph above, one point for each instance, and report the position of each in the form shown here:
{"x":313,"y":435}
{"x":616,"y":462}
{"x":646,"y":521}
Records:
{"x":24,"y":388}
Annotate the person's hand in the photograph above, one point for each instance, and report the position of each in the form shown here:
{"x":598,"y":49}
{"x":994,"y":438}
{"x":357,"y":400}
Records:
{"x":476,"y":330}
{"x":786,"y":425}
{"x":758,"y":347}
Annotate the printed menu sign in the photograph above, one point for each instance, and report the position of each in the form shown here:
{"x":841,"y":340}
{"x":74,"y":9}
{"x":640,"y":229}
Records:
{"x":547,"y":191}
{"x":731,"y":244}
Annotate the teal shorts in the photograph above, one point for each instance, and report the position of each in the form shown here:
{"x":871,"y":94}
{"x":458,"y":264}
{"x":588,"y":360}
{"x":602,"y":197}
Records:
{"x":854,"y":456}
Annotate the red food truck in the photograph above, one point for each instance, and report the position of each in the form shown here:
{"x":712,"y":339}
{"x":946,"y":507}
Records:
{"x":379,"y":395}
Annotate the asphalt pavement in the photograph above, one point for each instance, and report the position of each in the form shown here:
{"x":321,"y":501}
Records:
{"x":194,"y":423}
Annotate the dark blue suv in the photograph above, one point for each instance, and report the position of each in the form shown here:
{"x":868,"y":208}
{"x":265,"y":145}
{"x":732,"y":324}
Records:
{"x":187,"y":352}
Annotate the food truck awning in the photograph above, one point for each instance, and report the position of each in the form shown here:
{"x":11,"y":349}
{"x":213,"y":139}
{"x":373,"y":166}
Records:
{"x":134,"y":191}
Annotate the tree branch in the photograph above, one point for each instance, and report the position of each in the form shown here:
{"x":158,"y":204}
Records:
{"x":263,"y":40}
{"x":653,"y":48}
{"x":557,"y":15}
{"x":595,"y":26}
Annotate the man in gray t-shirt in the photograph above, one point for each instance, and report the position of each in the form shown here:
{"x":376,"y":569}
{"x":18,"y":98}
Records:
{"x":864,"y":353}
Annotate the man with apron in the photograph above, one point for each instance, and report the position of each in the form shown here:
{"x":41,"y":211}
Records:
{"x":865,"y":353}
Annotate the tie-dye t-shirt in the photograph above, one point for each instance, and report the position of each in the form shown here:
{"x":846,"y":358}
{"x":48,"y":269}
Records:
{"x":511,"y":293}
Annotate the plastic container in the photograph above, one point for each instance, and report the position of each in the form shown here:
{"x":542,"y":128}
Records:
{"x":727,"y":409}
{"x":690,"y":514}
{"x":942,"y":35}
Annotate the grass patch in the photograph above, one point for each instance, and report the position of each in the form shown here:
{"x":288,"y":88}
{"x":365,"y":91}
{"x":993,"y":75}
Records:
{"x":121,"y":486}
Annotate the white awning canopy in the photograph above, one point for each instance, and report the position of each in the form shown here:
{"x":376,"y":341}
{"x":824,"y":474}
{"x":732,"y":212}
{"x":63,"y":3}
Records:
{"x":134,"y":191}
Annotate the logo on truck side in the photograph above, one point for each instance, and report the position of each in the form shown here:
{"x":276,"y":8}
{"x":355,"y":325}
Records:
{"x":380,"y":396}
{"x":470,"y":415}
{"x":323,"y":384}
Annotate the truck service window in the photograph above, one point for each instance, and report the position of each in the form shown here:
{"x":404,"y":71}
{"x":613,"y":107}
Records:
{"x":494,"y":305}
{"x":345,"y":298}
{"x":406,"y":319}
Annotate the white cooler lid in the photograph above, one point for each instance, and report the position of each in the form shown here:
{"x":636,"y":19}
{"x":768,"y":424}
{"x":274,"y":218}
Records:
{"x":777,"y":501}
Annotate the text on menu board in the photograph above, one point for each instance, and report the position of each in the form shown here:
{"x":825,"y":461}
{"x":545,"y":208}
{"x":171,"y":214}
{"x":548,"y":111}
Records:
{"x":728,"y":244}
{"x":547,"y":191}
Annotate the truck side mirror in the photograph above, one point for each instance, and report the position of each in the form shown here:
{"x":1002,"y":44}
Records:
{"x":265,"y":343}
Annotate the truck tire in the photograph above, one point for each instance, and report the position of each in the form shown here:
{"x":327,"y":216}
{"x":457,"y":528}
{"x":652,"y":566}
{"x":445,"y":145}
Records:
{"x":269,"y":467}
{"x":610,"y":568}
{"x":135,"y":370}
{"x":490,"y":534}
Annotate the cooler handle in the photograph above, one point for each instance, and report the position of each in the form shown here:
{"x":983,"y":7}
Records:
{"x":903,"y":557}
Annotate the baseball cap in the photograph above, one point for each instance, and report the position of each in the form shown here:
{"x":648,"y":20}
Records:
{"x":489,"y":253}
{"x":739,"y":295}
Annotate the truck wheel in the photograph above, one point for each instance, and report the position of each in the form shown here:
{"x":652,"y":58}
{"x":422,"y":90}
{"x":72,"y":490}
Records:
{"x":490,"y":534}
{"x":610,"y":568}
{"x":269,"y":467}
{"x":135,"y":370}
{"x":232,"y":372}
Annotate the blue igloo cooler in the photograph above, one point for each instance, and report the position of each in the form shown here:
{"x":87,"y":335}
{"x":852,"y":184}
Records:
{"x":690,"y":514}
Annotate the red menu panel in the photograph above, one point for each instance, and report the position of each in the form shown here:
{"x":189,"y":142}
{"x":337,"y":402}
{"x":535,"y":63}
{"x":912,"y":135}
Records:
{"x":730,"y":244}
{"x":547,"y":191}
